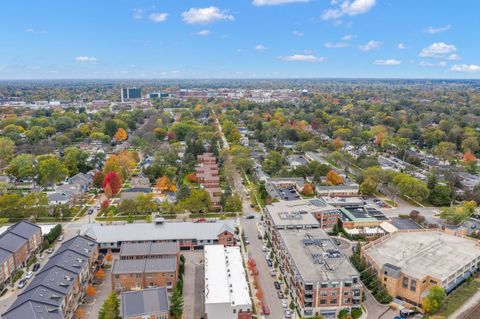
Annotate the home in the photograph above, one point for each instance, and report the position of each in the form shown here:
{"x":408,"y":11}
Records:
{"x":133,"y":193}
{"x":150,"y":303}
{"x":140,"y":182}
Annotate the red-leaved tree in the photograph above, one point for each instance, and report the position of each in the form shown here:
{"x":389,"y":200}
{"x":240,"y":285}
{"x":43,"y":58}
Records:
{"x":113,"y":180}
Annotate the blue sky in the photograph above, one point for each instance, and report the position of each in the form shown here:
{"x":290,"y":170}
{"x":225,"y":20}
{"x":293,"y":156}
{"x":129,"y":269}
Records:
{"x":239,"y":39}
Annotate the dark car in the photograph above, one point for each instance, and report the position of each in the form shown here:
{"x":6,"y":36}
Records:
{"x":276,"y":284}
{"x":250,"y":217}
{"x":269,"y":263}
{"x":36,"y":267}
{"x":280,"y":294}
{"x":405,"y":313}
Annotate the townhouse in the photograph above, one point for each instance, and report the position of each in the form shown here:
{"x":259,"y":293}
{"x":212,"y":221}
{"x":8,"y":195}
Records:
{"x":58,"y":288}
{"x":208,"y":176}
{"x":150,"y":303}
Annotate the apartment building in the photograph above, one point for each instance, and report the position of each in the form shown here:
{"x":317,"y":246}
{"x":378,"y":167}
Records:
{"x":303,"y":213}
{"x":136,"y":274}
{"x":189,"y":235}
{"x":19,"y":243}
{"x":226,"y":288}
{"x":410,"y":262}
{"x":208,"y":176}
{"x":150,"y":250}
{"x":320,"y":277}
{"x":150,"y":303}
{"x":57,"y":289}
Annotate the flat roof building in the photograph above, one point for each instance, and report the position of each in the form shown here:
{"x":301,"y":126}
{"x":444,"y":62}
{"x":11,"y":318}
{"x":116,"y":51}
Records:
{"x":320,"y":277}
{"x":226,"y":288}
{"x":410,"y":262}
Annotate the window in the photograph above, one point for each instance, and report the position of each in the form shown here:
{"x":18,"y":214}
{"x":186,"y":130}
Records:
{"x":346,"y":300}
{"x":323,"y":301}
{"x":413,"y":285}
{"x":405,"y":282}
{"x":333,"y":301}
{"x":138,"y":275}
{"x":323,"y":293}
{"x":117,"y":276}
{"x":334,"y":293}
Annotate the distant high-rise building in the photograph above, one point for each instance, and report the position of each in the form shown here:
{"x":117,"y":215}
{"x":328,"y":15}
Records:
{"x":130,"y":93}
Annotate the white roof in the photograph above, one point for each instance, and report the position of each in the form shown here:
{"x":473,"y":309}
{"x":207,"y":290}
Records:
{"x":151,"y":231}
{"x":225,"y":276}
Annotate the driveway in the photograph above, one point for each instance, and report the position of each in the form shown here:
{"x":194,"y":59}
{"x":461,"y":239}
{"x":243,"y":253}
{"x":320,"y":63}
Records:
{"x":193,"y":285}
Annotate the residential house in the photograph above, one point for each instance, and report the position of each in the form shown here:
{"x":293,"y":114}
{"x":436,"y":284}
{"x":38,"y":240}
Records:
{"x":83,"y":180}
{"x":133,"y":193}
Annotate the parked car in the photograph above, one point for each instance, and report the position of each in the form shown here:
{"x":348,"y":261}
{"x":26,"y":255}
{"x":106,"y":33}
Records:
{"x":259,"y":236}
{"x":264,"y":248}
{"x":49,"y":250}
{"x":250,"y":217}
{"x":60,"y":238}
{"x":269,"y":263}
{"x":36,"y":267}
{"x":22,"y":283}
{"x":276,"y":284}
{"x":29,"y":275}
{"x":284,"y":303}
{"x":280,"y":294}
{"x":265,"y":310}
{"x":273,"y":272}
{"x":288,"y":313}
{"x":405,"y":313}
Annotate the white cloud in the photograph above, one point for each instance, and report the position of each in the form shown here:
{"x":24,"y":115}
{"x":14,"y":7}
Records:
{"x":260,"y":3}
{"x":350,"y":8}
{"x":297,"y":33}
{"x":430,"y":64}
{"x":260,"y":47}
{"x":387,"y":62}
{"x":205,"y":15}
{"x":454,"y":57}
{"x":401,"y":46}
{"x":437,"y":50}
{"x":302,"y":58}
{"x":432,"y":30}
{"x":465,"y":68}
{"x":158,"y":17}
{"x":85,"y":59}
{"x":35,"y":31}
{"x":330,"y":45}
{"x":348,"y":37}
{"x":371,"y":45}
{"x":203,"y":33}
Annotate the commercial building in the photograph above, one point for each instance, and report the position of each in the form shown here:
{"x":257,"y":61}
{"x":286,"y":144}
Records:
{"x":320,"y":277}
{"x":130,"y":94}
{"x":347,"y":189}
{"x":189,"y":235}
{"x":410,"y":262}
{"x":226,"y":288}
{"x":135,"y":274}
{"x":57,"y":289}
{"x":150,"y":303}
{"x":18,"y":244}
{"x":361,"y":217}
{"x":208,"y":176}
{"x":303,"y":213}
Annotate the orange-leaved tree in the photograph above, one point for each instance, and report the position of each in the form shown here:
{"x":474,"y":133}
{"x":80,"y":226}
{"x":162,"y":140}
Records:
{"x":164,"y":184}
{"x":334,"y":178}
{"x":120,"y":135}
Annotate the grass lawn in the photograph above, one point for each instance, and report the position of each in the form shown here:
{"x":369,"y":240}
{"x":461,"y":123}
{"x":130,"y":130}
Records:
{"x":457,"y":298}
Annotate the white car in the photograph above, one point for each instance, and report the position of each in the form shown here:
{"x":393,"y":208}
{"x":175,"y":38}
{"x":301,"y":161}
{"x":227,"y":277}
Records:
{"x":264,"y":248}
{"x":273,"y":273}
{"x":29,"y":275}
{"x":284,"y":303}
{"x":60,"y":238}
{"x":288,"y":313}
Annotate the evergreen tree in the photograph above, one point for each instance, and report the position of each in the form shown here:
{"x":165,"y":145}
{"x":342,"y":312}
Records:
{"x":110,"y":308}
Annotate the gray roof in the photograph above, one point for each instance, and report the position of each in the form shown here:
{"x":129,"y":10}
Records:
{"x":58,"y":197}
{"x":137,"y":190}
{"x":25,"y":229}
{"x":11,"y":242}
{"x":4,"y":255}
{"x":150,"y":232}
{"x":42,"y":297}
{"x":144,"y":302}
{"x":149,"y":248}
{"x":138,"y":266}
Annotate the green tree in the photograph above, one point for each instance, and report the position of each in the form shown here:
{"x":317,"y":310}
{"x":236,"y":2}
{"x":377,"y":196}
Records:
{"x":233,"y":204}
{"x":445,"y":150}
{"x":110,"y":308}
{"x":176,"y":306}
{"x":7,"y":149}
{"x":198,"y":201}
{"x":51,"y":171}
{"x":368,"y":186}
{"x":273,"y":163}
{"x":22,"y":166}
{"x":441,"y":195}
{"x":74,"y":160}
{"x":434,"y":299}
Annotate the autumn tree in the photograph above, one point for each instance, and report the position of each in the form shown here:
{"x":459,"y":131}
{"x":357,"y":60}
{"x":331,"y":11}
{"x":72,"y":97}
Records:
{"x":98,"y":178}
{"x":469,"y":157}
{"x":113,"y":181}
{"x":308,"y":189}
{"x":120,"y":135}
{"x":334,"y":178}
{"x":90,"y":291}
{"x":100,"y":274}
{"x":80,"y":313}
{"x":337,"y":143}
{"x":192,"y":178}
{"x":164,"y":184}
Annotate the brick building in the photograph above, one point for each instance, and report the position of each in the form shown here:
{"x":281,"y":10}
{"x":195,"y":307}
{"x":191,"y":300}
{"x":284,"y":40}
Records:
{"x":150,"y":303}
{"x":208,"y":176}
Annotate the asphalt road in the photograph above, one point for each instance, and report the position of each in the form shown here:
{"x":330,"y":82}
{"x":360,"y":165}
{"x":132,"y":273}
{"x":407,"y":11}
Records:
{"x":266,"y":281}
